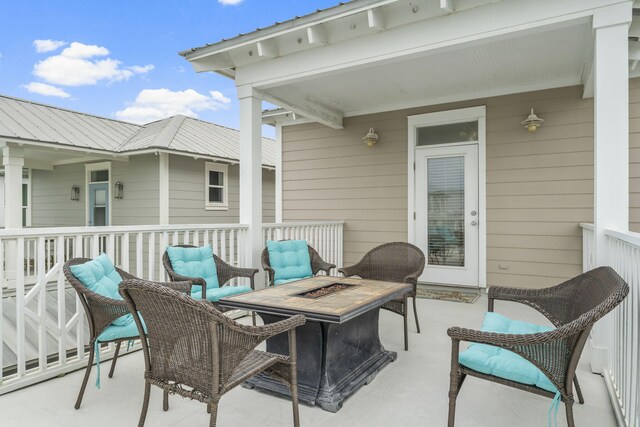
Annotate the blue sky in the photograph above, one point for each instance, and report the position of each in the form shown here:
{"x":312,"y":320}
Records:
{"x":119,"y":59}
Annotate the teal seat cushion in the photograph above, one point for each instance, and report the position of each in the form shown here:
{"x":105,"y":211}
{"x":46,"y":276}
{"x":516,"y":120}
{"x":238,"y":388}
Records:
{"x":195,"y":262}
{"x":498,"y":362}
{"x":101,"y":277}
{"x":214,"y":294}
{"x":114,"y":332}
{"x":290,"y":260}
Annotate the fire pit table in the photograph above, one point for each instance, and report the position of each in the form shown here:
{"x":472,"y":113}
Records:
{"x":339,"y":348}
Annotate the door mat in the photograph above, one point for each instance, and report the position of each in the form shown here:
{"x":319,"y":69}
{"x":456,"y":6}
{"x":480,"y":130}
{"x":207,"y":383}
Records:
{"x":468,"y":297}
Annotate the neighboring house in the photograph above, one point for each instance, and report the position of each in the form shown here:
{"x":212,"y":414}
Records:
{"x":79,"y":169}
{"x":445,"y":85}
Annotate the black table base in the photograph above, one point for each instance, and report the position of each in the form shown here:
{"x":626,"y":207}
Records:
{"x":334,"y":360}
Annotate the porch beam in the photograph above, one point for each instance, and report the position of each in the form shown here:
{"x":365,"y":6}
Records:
{"x":444,"y":33}
{"x":251,"y":173}
{"x":447,"y":5}
{"x":375,"y":18}
{"x":611,"y":144}
{"x":267,"y":48}
{"x":299,"y":104}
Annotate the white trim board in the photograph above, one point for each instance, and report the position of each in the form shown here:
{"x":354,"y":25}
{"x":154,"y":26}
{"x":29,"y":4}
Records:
{"x":442,"y":117}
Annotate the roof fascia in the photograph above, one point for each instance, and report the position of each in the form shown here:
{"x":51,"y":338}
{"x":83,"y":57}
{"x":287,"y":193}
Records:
{"x":295,"y":24}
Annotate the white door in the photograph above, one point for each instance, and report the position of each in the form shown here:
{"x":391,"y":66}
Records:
{"x":447,"y":213}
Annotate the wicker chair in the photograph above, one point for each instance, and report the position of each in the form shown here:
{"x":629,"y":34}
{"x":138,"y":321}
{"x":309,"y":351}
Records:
{"x":573,"y":307}
{"x":100,"y":312}
{"x":393,"y":262}
{"x":317,"y":264}
{"x":197,"y":352}
{"x":225,"y":272}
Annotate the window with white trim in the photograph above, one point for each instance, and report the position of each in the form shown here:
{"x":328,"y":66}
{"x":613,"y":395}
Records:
{"x":216,"y":186}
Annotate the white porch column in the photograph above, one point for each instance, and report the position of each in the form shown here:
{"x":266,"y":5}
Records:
{"x":251,"y":173}
{"x":278,"y":172}
{"x":611,"y":144}
{"x":13,"y":161}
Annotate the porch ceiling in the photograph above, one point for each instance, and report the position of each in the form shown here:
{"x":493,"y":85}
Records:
{"x":558,"y":57}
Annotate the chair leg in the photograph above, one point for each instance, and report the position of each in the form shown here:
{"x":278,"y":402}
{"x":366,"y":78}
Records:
{"x":578,"y":390}
{"x":406,"y":330}
{"x":294,"y":399}
{"x":115,"y":359}
{"x":569,"y":408}
{"x":212,"y":407}
{"x":253,"y":317}
{"x":415,"y":313}
{"x":87,"y":372}
{"x":455,"y":381}
{"x":165,"y":400}
{"x":145,"y":404}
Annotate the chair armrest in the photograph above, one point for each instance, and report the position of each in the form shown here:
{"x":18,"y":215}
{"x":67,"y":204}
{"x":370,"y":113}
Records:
{"x":505,"y":340}
{"x":319,"y":264}
{"x":103,"y":310}
{"x":538,"y":299}
{"x":195,"y":281}
{"x":183,"y":287}
{"x":272,"y":329}
{"x":352,"y":270}
{"x":270,"y":272}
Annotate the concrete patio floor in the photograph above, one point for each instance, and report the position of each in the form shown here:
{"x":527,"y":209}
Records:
{"x":412,"y":391}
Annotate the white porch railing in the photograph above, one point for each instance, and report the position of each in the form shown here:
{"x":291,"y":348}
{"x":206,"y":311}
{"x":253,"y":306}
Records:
{"x":623,"y":362}
{"x":42,"y":323}
{"x":324,"y":237}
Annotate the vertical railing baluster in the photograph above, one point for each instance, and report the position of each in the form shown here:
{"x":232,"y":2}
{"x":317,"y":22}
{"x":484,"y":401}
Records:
{"x":20,"y":315}
{"x":62,"y":301}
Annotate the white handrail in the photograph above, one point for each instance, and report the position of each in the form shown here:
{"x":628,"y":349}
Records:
{"x":623,"y":362}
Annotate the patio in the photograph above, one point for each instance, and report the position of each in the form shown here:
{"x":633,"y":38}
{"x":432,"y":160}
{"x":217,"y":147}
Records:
{"x":412,"y":391}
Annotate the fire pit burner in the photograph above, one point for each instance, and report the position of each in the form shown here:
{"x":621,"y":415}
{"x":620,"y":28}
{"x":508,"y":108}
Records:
{"x":324,"y":291}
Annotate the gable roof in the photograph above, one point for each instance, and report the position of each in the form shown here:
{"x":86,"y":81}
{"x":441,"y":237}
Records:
{"x":188,"y":135}
{"x":28,"y":121}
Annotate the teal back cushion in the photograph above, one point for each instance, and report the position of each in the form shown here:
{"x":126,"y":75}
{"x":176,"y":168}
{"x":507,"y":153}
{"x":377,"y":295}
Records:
{"x":195,"y":262}
{"x":289,"y":259}
{"x":502,"y":363}
{"x":101,"y":277}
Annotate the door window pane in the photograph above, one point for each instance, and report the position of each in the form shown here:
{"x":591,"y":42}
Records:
{"x":100,"y":176}
{"x":445,"y":134}
{"x":445,"y":211}
{"x":100,"y":197}
{"x":99,"y":216}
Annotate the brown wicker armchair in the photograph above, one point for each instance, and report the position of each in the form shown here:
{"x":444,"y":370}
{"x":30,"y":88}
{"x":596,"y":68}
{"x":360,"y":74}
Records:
{"x":317,"y":264}
{"x":573,"y":307}
{"x":393,"y":262}
{"x":225,"y":272}
{"x":100,"y":312}
{"x":197,"y":352}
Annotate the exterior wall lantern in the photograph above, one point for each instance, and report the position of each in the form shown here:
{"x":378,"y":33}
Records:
{"x":370,"y":138}
{"x":75,"y":193}
{"x":533,"y":122}
{"x":118,"y":190}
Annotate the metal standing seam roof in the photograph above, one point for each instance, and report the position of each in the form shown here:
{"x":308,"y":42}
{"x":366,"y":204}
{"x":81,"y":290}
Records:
{"x":33,"y":122}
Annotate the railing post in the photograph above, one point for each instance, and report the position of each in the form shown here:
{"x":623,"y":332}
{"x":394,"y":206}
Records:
{"x":611,"y":144}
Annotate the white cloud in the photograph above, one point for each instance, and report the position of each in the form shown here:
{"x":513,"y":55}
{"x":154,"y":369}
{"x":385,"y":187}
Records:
{"x":47,"y":45}
{"x":77,"y":65}
{"x":230,"y":2}
{"x":157,"y":104}
{"x":46,"y":90}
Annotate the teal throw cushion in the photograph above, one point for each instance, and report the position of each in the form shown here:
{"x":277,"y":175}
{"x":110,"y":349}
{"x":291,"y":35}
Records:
{"x":195,"y":262}
{"x":214,"y":294}
{"x":101,"y":277}
{"x":114,"y":332}
{"x":289,"y":259}
{"x":502,"y":363}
